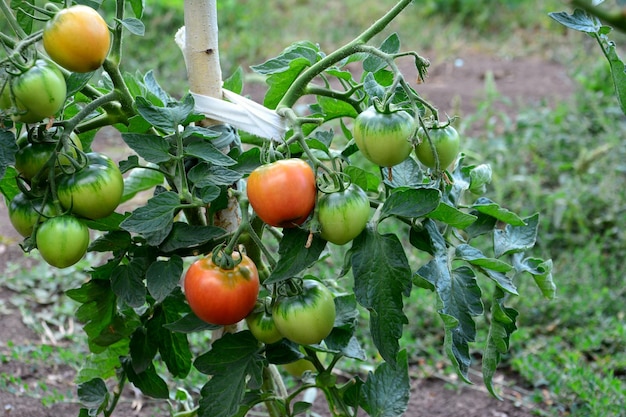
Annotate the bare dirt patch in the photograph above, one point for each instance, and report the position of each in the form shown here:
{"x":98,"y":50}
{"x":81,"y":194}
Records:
{"x":455,"y":86}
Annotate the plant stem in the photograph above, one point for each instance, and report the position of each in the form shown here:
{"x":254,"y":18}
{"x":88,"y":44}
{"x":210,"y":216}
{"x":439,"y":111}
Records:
{"x":6,"y":10}
{"x":298,"y":87}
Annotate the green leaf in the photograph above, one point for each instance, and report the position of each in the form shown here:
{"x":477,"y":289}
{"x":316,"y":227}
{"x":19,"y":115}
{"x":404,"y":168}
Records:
{"x":148,"y":381}
{"x":94,"y":394}
{"x":76,"y":81}
{"x":155,"y":88}
{"x":233,"y":362}
{"x":459,"y":301}
{"x":8,"y":148}
{"x":142,"y":349}
{"x":391,"y":45}
{"x":127,"y":283}
{"x":486,"y":206}
{"x":617,"y":72}
{"x":137,"y":6}
{"x":206,"y":151}
{"x":372,"y":88}
{"x":133,"y":25}
{"x":105,"y":224}
{"x":111,"y":242}
{"x":140,"y":179}
{"x":166,"y":118}
{"x":104,"y":364}
{"x":502,"y":325}
{"x":173,"y":346}
{"x":190,"y":323}
{"x":452,"y":216}
{"x":234,"y":83}
{"x":294,"y":255}
{"x":342,"y":339}
{"x":579,"y":20}
{"x":334,"y":109}
{"x":364,"y":179}
{"x":541,"y":270}
{"x":411,"y":203}
{"x":163,"y":276}
{"x":382,"y":275}
{"x":184,"y":235}
{"x":156,"y":215}
{"x":152,"y":148}
{"x":203,"y":175}
{"x":386,"y":391}
{"x":8,"y":184}
{"x":406,"y":174}
{"x":493,"y":268}
{"x":514,"y":239}
{"x":248,"y":161}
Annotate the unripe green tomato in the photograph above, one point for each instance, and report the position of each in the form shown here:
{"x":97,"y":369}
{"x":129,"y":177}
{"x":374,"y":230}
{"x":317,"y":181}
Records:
{"x":39,"y":92}
{"x":384,"y":138}
{"x":263,"y":327}
{"x":24,"y":213}
{"x":62,"y":241}
{"x":446,"y":142}
{"x":343,"y":214}
{"x":31,"y":158}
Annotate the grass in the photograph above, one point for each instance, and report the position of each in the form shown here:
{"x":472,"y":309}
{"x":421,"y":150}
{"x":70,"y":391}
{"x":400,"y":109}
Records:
{"x":567,"y":162}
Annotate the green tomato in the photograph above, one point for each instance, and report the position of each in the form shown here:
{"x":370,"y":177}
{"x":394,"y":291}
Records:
{"x":39,"y":92}
{"x":263,"y":327}
{"x":31,"y":158}
{"x":93,"y":192}
{"x":343,"y":214}
{"x":300,"y":366}
{"x":447,"y":144}
{"x":384,"y":138}
{"x":306,"y":318}
{"x":62,"y":241}
{"x":24,"y":213}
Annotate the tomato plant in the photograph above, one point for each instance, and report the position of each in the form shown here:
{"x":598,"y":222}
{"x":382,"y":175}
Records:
{"x":446,"y":142}
{"x":282,"y":193}
{"x":62,"y":241}
{"x":219,"y":294}
{"x":211,"y":194}
{"x":385,"y":138}
{"x":77,"y":38}
{"x":25,"y":213}
{"x":93,"y":191}
{"x":343,"y":214}
{"x":38,"y":92}
{"x":306,"y":317}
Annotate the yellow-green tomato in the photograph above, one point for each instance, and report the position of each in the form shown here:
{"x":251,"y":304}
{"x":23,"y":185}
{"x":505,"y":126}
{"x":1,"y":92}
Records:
{"x":39,"y":92}
{"x":384,"y":138}
{"x":343,"y":214}
{"x":24,"y":213}
{"x":446,"y":142}
{"x":263,"y":327}
{"x":62,"y":241}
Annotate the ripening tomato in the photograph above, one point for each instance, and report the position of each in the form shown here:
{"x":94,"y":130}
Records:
{"x":24,"y":213}
{"x":221,"y":296}
{"x":95,"y":191}
{"x":39,"y":92}
{"x":446,"y":142}
{"x":384,"y":138}
{"x":62,"y":241}
{"x":282,"y":193}
{"x":308,"y":317}
{"x":262,"y":326}
{"x":77,"y":38}
{"x":343,"y":214}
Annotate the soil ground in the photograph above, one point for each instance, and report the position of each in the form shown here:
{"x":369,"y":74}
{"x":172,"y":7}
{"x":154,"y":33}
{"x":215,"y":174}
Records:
{"x":455,"y":86}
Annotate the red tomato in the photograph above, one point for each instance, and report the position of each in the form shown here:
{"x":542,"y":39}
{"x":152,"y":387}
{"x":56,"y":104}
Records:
{"x":222,"y":296}
{"x":283,"y":193}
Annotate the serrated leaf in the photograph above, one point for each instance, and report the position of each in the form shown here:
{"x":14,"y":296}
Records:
{"x":486,"y":206}
{"x":502,"y":325}
{"x":294,"y":255}
{"x":514,"y":239}
{"x":155,"y":88}
{"x":382,"y":276}
{"x":342,"y":339}
{"x":579,"y":20}
{"x":190,"y":323}
{"x":163,"y":276}
{"x":206,"y":151}
{"x":156,"y":215}
{"x":140,"y":179}
{"x":334,"y":109}
{"x":8,"y":184}
{"x":184,"y":235}
{"x":104,"y":364}
{"x":234,"y":362}
{"x":93,"y":394}
{"x":391,"y":45}
{"x":8,"y":148}
{"x":459,"y":300}
{"x":372,"y":88}
{"x":148,"y":381}
{"x":127,"y":283}
{"x":364,"y":179}
{"x":405,"y":174}
{"x":493,"y":268}
{"x":386,"y":391}
{"x":411,"y":203}
{"x":166,"y":118}
{"x":133,"y":25}
{"x":111,"y":241}
{"x":173,"y":346}
{"x":451,"y":215}
{"x":152,"y":148}
{"x":541,"y":270}
{"x":300,"y":50}
{"x":203,"y":175}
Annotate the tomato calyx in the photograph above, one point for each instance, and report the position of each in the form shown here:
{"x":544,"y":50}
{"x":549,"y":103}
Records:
{"x":225,"y":260}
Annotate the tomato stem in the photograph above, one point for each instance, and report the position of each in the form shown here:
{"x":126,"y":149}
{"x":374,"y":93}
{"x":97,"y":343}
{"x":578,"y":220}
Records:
{"x":4,"y":7}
